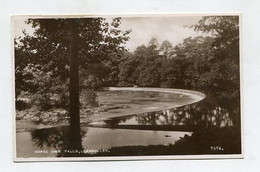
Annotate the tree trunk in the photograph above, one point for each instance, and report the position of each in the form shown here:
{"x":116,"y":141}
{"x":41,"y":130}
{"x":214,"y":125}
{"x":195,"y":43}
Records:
{"x":74,"y":86}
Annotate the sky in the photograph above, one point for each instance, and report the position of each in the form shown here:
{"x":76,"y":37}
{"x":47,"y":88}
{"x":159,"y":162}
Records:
{"x":161,"y":28}
{"x":169,"y":28}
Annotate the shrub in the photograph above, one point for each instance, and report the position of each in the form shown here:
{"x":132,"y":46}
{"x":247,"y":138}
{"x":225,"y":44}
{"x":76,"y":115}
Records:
{"x":43,"y":101}
{"x":90,"y":98}
{"x":21,"y":105}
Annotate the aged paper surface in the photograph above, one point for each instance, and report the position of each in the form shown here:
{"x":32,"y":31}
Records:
{"x":121,"y":87}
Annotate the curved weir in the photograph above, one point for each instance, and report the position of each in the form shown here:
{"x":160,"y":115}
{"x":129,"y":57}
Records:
{"x":148,"y":100}
{"x":198,"y":96}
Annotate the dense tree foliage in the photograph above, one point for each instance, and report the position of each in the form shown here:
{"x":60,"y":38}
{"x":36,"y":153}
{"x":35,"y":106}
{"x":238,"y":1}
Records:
{"x":201,"y":63}
{"x":205,"y":63}
{"x":49,"y":47}
{"x":225,"y":30}
{"x":166,"y":48}
{"x":208,"y":63}
{"x":42,"y":59}
{"x":143,"y":67}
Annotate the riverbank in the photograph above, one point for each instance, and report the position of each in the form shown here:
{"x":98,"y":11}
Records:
{"x":113,"y":102}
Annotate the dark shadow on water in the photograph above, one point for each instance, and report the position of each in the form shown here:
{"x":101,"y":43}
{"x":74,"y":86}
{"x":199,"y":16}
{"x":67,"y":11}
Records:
{"x":214,"y":123}
{"x":205,"y":113}
{"x":208,"y":142}
{"x":219,"y":141}
{"x":211,"y":141}
{"x":61,"y":139}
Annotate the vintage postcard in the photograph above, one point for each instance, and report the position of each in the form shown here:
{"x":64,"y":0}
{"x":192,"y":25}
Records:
{"x":127,"y":87}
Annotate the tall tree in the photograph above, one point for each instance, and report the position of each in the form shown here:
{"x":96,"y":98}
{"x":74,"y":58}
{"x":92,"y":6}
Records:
{"x":191,"y":65}
{"x":225,"y":64}
{"x":60,"y":46}
{"x":225,"y":30}
{"x":141,"y":68}
{"x":74,"y":83}
{"x":166,"y":48}
{"x":153,"y":42}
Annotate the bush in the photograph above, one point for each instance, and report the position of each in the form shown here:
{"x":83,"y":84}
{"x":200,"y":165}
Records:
{"x":64,"y":101}
{"x":21,"y":105}
{"x":43,"y":101}
{"x":92,"y":82}
{"x":90,"y":98}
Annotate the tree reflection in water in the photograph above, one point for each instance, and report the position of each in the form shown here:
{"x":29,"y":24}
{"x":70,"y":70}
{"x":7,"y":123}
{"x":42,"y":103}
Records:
{"x":218,"y":116}
{"x":208,"y":112}
{"x":61,"y":139}
{"x":219,"y":133}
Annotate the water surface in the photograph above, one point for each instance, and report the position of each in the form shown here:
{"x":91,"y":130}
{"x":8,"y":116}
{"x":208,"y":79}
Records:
{"x":211,"y":126}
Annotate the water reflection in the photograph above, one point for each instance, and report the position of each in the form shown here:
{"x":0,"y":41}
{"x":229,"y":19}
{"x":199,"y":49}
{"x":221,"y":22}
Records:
{"x":62,"y":139}
{"x":203,"y":113}
{"x":96,"y":141}
{"x":211,"y":126}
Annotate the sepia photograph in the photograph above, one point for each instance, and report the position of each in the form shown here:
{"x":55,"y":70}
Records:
{"x":127,"y":87}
